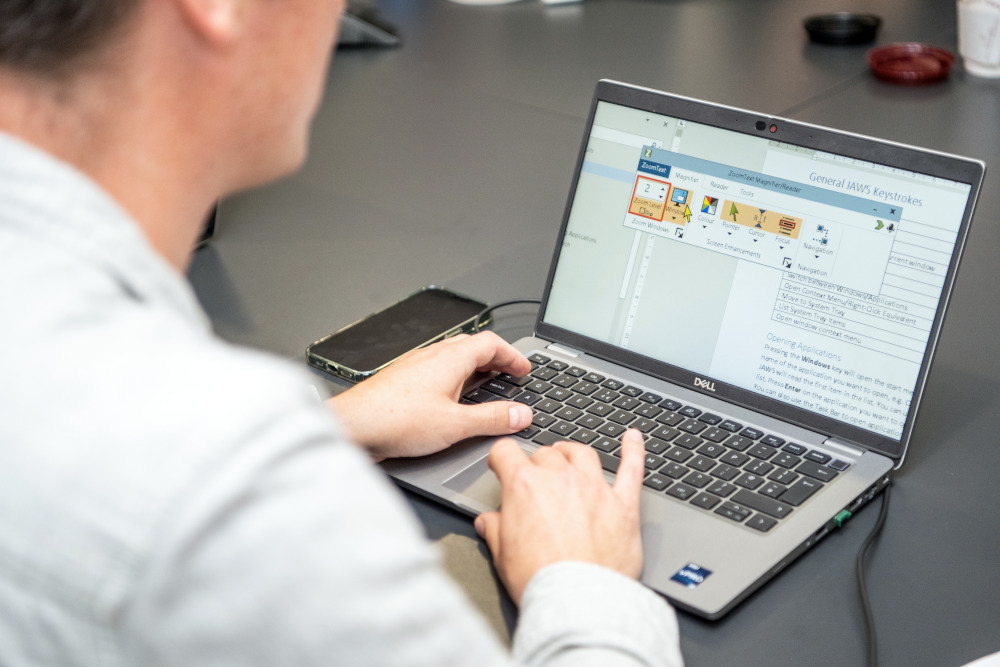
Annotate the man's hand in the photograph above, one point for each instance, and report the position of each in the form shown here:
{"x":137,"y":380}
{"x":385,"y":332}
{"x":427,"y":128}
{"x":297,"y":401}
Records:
{"x":411,"y":408}
{"x":556,"y":506}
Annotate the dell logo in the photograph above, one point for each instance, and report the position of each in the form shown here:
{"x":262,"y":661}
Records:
{"x":704,"y":384}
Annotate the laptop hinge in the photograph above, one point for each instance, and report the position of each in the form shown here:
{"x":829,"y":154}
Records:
{"x":846,"y":447}
{"x":562,"y":349}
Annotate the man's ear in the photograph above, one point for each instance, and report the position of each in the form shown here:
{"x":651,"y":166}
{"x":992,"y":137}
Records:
{"x":219,"y":22}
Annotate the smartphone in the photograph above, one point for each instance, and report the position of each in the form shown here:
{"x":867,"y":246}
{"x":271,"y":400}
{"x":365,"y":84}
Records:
{"x":362,"y":349}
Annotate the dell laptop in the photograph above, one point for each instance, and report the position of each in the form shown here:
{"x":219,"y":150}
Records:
{"x":761,"y":298}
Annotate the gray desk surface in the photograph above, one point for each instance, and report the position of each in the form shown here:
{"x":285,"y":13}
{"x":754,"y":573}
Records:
{"x":447,"y":161}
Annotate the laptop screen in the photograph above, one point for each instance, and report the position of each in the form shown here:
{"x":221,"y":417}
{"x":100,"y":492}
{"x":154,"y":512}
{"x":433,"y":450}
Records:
{"x":802,"y":276}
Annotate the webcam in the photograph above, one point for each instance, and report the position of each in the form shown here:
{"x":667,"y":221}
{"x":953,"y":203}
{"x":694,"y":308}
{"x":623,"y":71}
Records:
{"x":760,"y":125}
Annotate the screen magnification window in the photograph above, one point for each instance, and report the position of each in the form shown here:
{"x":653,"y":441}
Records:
{"x":802,"y":276}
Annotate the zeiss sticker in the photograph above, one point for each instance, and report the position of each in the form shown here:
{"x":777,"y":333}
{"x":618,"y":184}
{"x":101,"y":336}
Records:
{"x":691,"y":575}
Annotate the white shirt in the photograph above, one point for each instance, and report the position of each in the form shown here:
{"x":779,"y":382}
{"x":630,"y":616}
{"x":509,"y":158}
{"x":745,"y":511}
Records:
{"x":167,"y":498}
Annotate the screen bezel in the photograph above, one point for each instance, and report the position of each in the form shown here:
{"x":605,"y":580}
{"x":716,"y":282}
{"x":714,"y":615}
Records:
{"x":849,"y":145}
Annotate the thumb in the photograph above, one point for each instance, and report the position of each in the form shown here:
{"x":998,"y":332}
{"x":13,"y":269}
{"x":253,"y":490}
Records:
{"x":495,"y":418}
{"x":488,"y":527}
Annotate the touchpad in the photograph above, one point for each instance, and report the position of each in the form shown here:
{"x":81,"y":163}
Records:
{"x":478,"y":483}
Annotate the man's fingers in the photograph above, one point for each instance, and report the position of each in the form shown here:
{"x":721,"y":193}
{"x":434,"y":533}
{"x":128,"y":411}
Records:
{"x":492,"y":353}
{"x":632,"y":469}
{"x":506,"y":457}
{"x":488,"y":527}
{"x":493,"y":418}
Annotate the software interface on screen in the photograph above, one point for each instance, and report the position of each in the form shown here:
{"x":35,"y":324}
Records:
{"x":803,"y":276}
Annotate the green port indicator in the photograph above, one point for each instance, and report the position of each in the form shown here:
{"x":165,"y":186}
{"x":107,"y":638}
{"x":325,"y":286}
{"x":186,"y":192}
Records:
{"x":842,"y":518}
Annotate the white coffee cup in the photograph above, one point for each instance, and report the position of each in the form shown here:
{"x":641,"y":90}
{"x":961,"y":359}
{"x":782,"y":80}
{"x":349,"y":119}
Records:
{"x":979,"y":36}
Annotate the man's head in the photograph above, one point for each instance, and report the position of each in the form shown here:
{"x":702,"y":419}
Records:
{"x":167,"y":104}
{"x":50,"y":37}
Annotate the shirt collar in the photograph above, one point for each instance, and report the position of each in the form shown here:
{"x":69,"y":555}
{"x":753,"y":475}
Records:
{"x":52,"y":201}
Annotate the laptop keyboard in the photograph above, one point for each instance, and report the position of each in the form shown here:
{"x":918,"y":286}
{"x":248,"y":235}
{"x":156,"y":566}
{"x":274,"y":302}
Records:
{"x":707,"y":460}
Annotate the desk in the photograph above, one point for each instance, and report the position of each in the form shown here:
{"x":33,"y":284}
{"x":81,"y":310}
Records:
{"x":448,"y":161}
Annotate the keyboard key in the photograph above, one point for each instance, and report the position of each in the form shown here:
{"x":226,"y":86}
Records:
{"x":580,"y":402}
{"x":752,"y":433}
{"x":510,"y":379}
{"x":712,"y":450}
{"x":558,"y":365}
{"x":730,"y":425}
{"x":650,"y":397}
{"x":682,"y":491}
{"x":722,"y":489}
{"x":657,"y":482}
{"x":528,"y":433}
{"x":585,"y":388}
{"x":761,"y":523}
{"x":750,"y":481}
{"x":589,"y":421}
{"x":568,"y":413}
{"x":794,"y":448}
{"x":644,"y":425}
{"x":670,"y":418}
{"x":527,"y":397}
{"x":614,"y":385}
{"x":611,"y":430}
{"x":478,"y":395}
{"x":772,"y":490}
{"x":565,"y":381}
{"x":760,"y":503}
{"x":500,"y":388}
{"x":655,"y":446}
{"x":542,"y":420}
{"x":546,"y":438}
{"x":665,"y":433}
{"x":710,"y":419}
{"x":725,"y":472}
{"x":701,"y":463}
{"x":648,"y":411}
{"x":544,"y":374}
{"x":679,"y":454}
{"x":801,"y":491}
{"x":606,"y":396}
{"x":548,"y":405}
{"x":538,"y":387}
{"x":715,"y":434}
{"x":689,"y":411}
{"x":608,"y":462}
{"x":563,"y":429}
{"x":671,"y":404}
{"x":629,"y":390}
{"x":575,"y":371}
{"x":605,"y":444}
{"x":758,"y":467}
{"x":706,"y":501}
{"x":601,"y":409}
{"x":773,"y":440}
{"x":539,"y":359}
{"x":585,"y":436}
{"x":692,"y":426}
{"x":837,"y":464}
{"x":786,"y":460}
{"x":674,"y":470}
{"x":733,"y":511}
{"x":738,"y":442}
{"x":698,"y":479}
{"x":654,"y":462}
{"x":818,"y":457}
{"x":687,"y":441}
{"x":559,"y":394}
{"x":762,"y":451}
{"x":627,"y":403}
{"x":816,"y":471}
{"x":596,"y":378}
{"x":783,"y":476}
{"x":621,"y":417}
{"x":735,"y":459}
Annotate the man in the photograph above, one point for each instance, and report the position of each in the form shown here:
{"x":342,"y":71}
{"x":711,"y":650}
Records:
{"x":169,"y":499}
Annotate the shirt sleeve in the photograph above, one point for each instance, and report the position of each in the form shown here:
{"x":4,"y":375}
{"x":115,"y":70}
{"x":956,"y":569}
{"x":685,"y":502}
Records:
{"x":293,"y":549}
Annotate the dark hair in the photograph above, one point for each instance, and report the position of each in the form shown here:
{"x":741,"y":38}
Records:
{"x":50,"y":36}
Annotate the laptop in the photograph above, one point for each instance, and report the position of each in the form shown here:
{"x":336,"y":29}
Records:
{"x":762,"y":299}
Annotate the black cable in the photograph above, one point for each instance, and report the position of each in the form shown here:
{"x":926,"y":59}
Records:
{"x":862,"y":589}
{"x":477,"y":323}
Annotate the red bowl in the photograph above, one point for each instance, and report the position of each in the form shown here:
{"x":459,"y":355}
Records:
{"x":910,"y":63}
